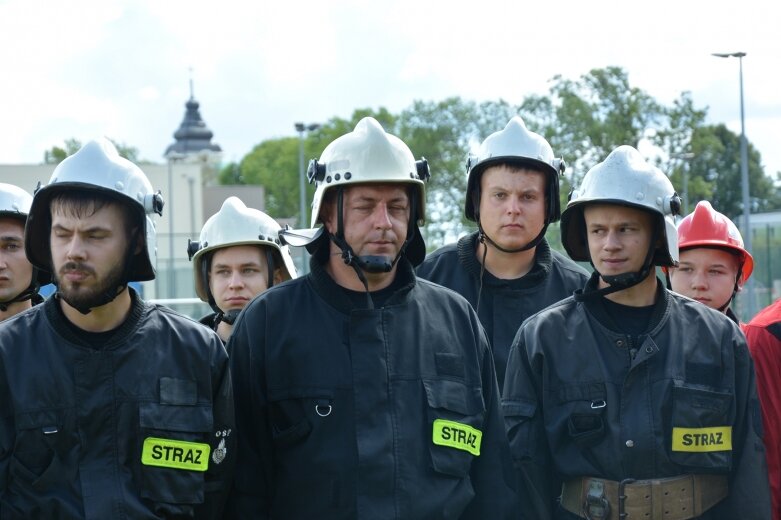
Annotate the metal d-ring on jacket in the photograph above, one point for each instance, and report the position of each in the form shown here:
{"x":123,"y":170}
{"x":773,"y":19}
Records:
{"x":582,"y":400}
{"x":385,"y":413}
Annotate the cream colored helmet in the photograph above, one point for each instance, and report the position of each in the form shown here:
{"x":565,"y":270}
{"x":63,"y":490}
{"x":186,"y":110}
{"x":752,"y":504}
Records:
{"x":235,"y":225}
{"x":370,"y":155}
{"x":365,"y":155}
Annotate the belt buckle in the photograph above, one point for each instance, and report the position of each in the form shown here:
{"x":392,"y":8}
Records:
{"x":622,"y":497}
{"x":596,"y":506}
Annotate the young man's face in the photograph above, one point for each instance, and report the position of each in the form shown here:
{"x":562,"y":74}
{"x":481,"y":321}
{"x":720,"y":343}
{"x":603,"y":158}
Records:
{"x":376,"y":217}
{"x":15,"y":270}
{"x":88,"y":252}
{"x":512,"y":205}
{"x":237,"y":274}
{"x":618,"y":237}
{"x":706,"y":275}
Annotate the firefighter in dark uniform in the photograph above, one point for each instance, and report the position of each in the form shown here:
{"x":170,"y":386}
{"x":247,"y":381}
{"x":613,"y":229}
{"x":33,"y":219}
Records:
{"x":238,"y":255}
{"x":506,"y":269}
{"x":19,"y":279}
{"x":362,"y":391}
{"x":641,"y":401}
{"x":111,"y":407}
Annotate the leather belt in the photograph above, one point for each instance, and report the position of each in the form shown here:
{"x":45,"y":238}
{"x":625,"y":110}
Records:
{"x":675,"y":498}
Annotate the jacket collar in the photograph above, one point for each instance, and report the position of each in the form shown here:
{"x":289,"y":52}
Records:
{"x":596,"y":306}
{"x":543,"y":262}
{"x":334,"y":294}
{"x":65,"y":329}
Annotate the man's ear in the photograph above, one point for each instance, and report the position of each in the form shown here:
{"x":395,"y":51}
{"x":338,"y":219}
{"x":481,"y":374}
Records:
{"x":279,"y":276}
{"x":328,"y":217}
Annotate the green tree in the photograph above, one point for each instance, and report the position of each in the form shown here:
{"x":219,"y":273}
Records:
{"x":444,"y":132}
{"x":274,"y":165}
{"x":57,"y":154}
{"x":715,"y":170}
{"x":586,"y":119}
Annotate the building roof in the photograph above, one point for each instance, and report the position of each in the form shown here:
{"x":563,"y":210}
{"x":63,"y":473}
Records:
{"x":193,"y":135}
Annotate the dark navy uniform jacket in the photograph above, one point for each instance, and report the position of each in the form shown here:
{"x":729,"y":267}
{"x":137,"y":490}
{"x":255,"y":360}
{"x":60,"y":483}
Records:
{"x":140,"y":428}
{"x":504,"y":304}
{"x":346,"y":412}
{"x":582,"y":399}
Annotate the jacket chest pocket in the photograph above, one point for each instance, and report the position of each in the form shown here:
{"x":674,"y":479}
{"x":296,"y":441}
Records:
{"x":582,"y":410}
{"x":456,"y":413}
{"x":295,"y":412}
{"x":701,"y":435}
{"x":44,"y":442}
{"x":175,"y":452}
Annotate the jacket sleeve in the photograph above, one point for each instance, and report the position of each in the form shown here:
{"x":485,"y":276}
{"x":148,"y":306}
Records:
{"x":219,"y":476}
{"x":250,"y":496}
{"x":492,"y":473}
{"x":766,"y":353}
{"x":526,"y":433}
{"x":749,"y":493}
{"x":7,"y":430}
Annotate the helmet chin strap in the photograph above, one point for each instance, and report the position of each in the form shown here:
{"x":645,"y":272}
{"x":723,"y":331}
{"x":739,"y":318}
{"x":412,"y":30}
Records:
{"x":735,"y":289}
{"x":483,"y":237}
{"x":111,"y":292}
{"x":27,"y":294}
{"x":622,"y":281}
{"x":368,"y":263}
{"x":228,"y":317}
{"x":106,"y":297}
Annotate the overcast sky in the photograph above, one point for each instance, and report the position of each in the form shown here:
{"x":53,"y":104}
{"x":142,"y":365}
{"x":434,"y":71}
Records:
{"x":83,"y":68}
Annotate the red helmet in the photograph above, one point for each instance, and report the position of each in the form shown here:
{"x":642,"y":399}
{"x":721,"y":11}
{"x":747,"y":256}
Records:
{"x":706,"y":227}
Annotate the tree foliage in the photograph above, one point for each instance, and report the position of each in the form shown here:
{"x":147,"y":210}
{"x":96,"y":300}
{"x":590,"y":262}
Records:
{"x":716,"y":170}
{"x":583,"y":119}
{"x":57,"y":154}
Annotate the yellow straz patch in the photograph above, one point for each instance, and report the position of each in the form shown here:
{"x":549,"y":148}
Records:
{"x":457,"y":435}
{"x":170,"y":453}
{"x":717,"y":438}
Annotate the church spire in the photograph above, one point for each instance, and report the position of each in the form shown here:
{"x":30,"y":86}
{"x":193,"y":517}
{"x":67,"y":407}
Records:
{"x":193,"y":136}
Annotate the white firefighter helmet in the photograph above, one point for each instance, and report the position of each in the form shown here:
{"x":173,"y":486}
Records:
{"x":370,"y":155}
{"x":14,"y":201}
{"x":366,"y":155}
{"x":97,"y":167}
{"x":236,"y":225}
{"x":517,"y":145}
{"x":624,"y":178}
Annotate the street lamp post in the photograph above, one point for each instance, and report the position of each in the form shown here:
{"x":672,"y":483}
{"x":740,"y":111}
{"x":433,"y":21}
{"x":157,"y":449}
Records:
{"x":743,"y":179}
{"x":301,"y":128}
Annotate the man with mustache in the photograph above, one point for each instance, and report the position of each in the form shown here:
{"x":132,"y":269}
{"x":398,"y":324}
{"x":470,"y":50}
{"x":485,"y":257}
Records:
{"x":506,"y":269}
{"x":19,"y":280}
{"x":640,"y":400}
{"x":361,"y":390}
{"x":111,"y":407}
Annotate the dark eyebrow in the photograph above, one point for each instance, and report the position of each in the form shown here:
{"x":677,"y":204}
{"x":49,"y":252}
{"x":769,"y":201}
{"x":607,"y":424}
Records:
{"x":84,"y":231}
{"x":245,"y":264}
{"x":10,"y":238}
